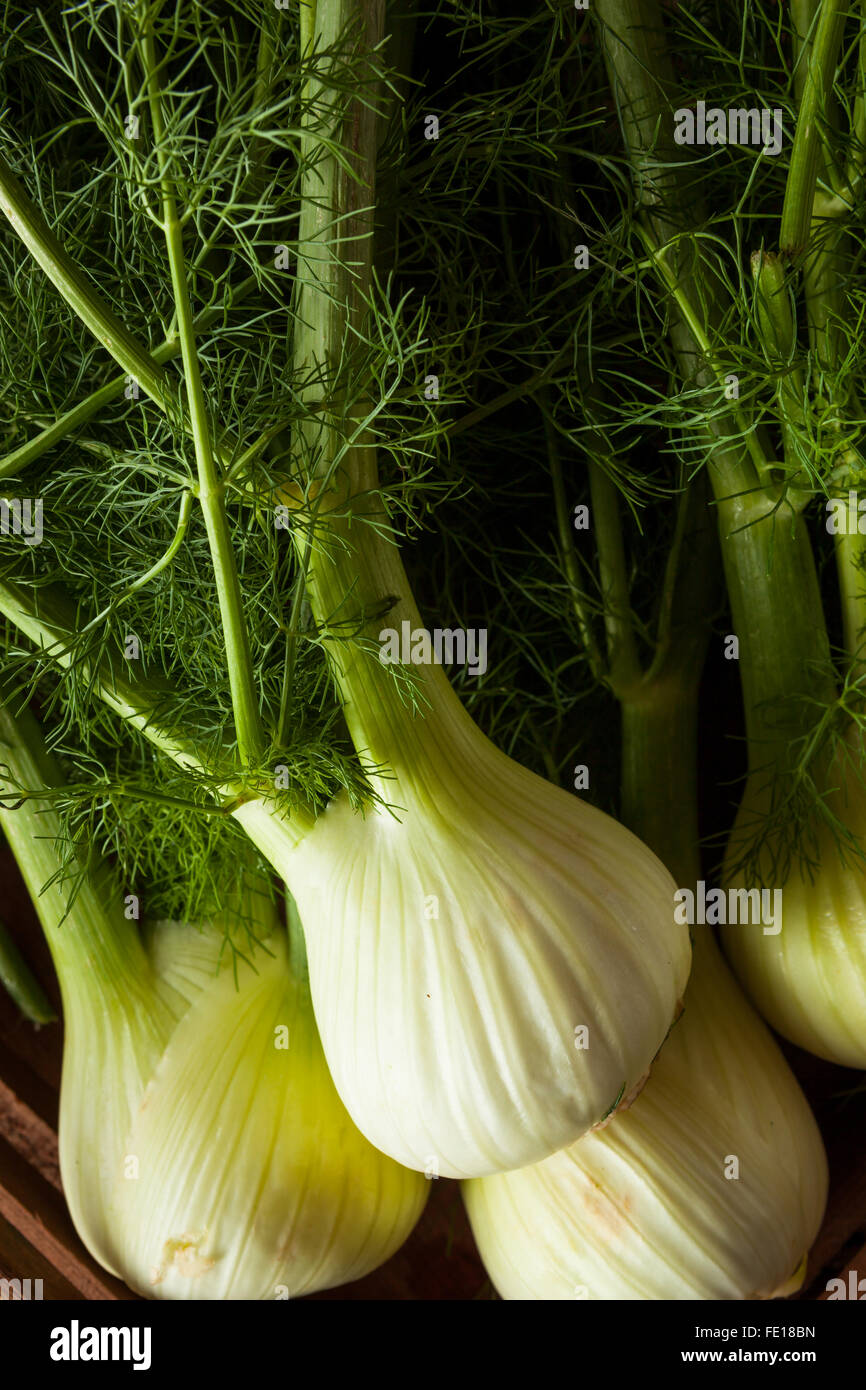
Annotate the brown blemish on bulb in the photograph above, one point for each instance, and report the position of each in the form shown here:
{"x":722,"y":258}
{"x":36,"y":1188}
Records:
{"x":183,"y":1255}
{"x":603,"y":1211}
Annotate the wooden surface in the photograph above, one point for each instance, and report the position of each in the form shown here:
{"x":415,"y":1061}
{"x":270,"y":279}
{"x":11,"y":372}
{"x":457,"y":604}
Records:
{"x":439,"y":1261}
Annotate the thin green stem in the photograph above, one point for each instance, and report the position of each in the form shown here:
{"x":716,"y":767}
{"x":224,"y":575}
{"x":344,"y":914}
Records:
{"x":565,"y":532}
{"x":80,"y":294}
{"x":155,"y":569}
{"x":529,"y":387}
{"x":825,"y":266}
{"x":401,"y":25}
{"x":97,"y":791}
{"x":850,"y":554}
{"x":61,"y":428}
{"x":82,"y":931}
{"x":71,"y":420}
{"x":135,"y":360}
{"x":817,"y":88}
{"x":623,"y":664}
{"x":731,"y":470}
{"x":237,"y":470}
{"x":291,"y":652}
{"x":20,"y":983}
{"x":857,"y":162}
{"x":211,"y":493}
{"x":48,"y":619}
{"x":834,"y":198}
{"x":641,"y":78}
{"x":850,"y":551}
{"x":774,"y":320}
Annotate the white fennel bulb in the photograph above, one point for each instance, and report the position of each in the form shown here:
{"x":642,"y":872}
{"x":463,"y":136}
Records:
{"x":493,"y":965}
{"x":710,"y":1186}
{"x":808,"y":974}
{"x":250,"y":1179}
{"x":204,"y":1151}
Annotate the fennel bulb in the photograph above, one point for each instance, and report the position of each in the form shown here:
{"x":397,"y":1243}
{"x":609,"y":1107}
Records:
{"x":711,"y":1185}
{"x":252,"y":1180}
{"x":204,"y":1151}
{"x":809,"y":979}
{"x":493,"y":965}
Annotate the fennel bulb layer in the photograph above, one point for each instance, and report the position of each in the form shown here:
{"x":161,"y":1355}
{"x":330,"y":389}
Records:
{"x":711,"y":1185}
{"x":493,"y":965}
{"x":204,"y":1151}
{"x":242,"y":1175}
{"x":809,"y":978}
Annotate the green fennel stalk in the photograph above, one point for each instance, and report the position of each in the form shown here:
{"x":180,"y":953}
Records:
{"x":773,"y":588}
{"x":799,"y":825}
